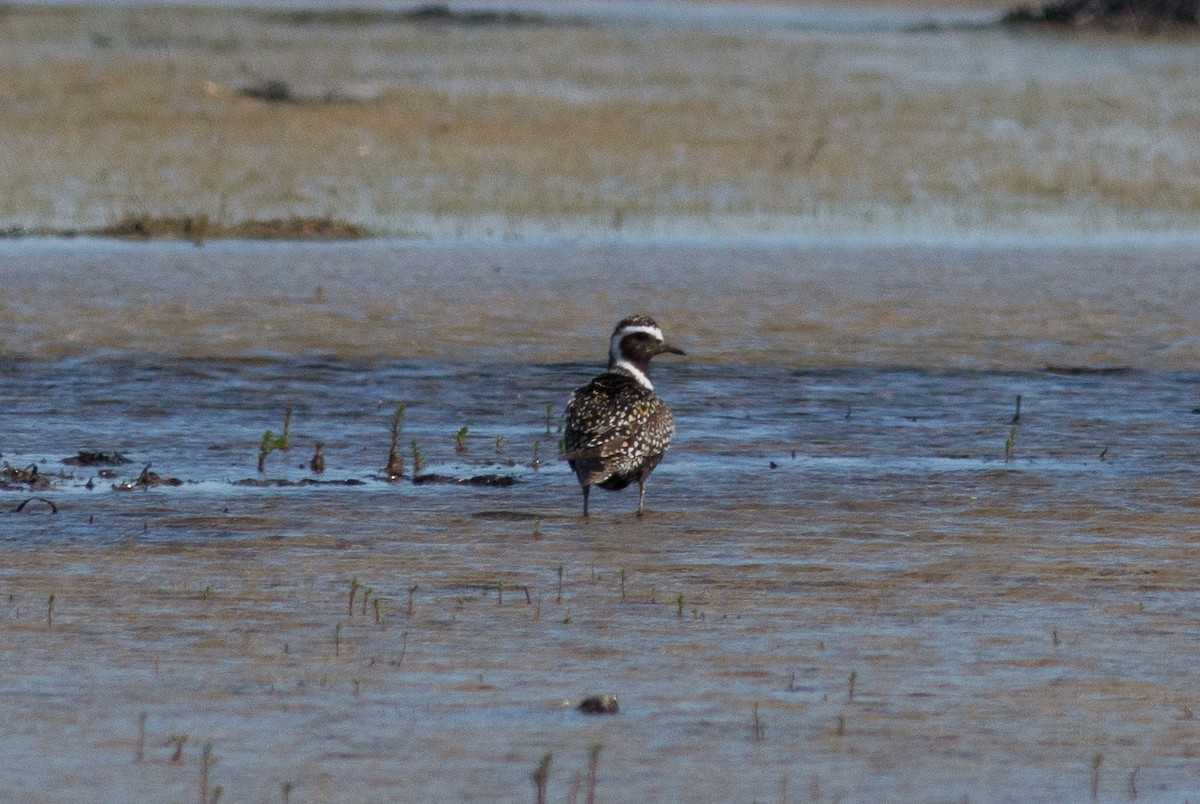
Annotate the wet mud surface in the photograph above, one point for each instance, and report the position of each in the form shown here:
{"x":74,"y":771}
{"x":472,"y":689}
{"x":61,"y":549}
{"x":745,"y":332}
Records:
{"x":855,"y":583}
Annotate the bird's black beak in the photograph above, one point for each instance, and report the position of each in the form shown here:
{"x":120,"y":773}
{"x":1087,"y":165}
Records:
{"x":675,"y":350}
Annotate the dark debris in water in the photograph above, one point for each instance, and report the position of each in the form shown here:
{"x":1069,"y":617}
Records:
{"x":507,"y":516}
{"x":475,"y":480}
{"x":279,"y":483}
{"x":28,"y":477}
{"x":429,"y":14}
{"x":85,"y":458}
{"x":147,"y":479}
{"x":278,"y":90}
{"x":1086,"y":371}
{"x":18,"y":509}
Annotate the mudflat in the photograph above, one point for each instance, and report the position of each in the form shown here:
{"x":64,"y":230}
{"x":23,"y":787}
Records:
{"x":926,"y":526}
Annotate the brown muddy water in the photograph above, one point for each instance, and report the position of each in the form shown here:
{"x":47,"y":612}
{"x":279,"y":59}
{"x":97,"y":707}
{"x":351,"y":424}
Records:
{"x":859,"y":579}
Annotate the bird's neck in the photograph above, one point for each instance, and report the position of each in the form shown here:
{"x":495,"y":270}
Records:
{"x":633,"y":368}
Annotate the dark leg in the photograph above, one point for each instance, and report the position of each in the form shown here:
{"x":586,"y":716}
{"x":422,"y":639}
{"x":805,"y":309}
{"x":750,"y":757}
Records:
{"x":641,"y":496}
{"x":586,"y":489}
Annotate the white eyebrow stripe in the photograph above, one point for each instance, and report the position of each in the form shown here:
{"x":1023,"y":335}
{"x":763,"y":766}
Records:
{"x":631,"y":330}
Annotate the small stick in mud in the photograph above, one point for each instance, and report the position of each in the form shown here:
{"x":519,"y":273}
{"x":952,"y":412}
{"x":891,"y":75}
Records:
{"x":679,"y":606}
{"x":286,"y":789}
{"x":537,"y":454}
{"x":1016,"y":419}
{"x":558,"y":598}
{"x":853,"y":681}
{"x":499,"y":444}
{"x":395,"y":464}
{"x":140,"y":754}
{"x":417,"y":459}
{"x":50,"y":611}
{"x":622,"y":585}
{"x":287,"y":426}
{"x":411,"y":591}
{"x":593,"y":765}
{"x":1096,"y":761}
{"x":500,"y":593}
{"x":1010,"y":444}
{"x":179,"y":741}
{"x":355,"y":585}
{"x":317,"y":464}
{"x":337,"y":639}
{"x":549,"y":412}
{"x":207,"y":760}
{"x":540,"y":775}
{"x":759,"y":731}
{"x":367,"y":590}
{"x":460,"y":440}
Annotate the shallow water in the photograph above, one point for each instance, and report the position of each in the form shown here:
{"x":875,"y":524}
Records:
{"x":837,"y":501}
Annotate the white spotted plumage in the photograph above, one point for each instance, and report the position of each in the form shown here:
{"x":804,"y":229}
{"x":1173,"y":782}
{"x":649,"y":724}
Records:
{"x":617,"y":427}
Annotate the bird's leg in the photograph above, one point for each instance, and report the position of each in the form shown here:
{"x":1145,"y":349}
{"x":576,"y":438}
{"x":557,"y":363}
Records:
{"x":585,"y":499}
{"x":641,"y":496}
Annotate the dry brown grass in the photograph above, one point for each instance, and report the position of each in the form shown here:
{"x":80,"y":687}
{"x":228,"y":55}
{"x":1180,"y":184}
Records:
{"x":109,"y":114}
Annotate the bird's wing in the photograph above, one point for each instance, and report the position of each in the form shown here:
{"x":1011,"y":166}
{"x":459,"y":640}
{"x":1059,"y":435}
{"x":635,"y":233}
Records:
{"x":593,"y":432}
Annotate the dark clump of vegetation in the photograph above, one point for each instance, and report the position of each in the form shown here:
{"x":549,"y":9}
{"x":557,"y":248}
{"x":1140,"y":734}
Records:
{"x":1144,"y":16}
{"x":278,"y":483}
{"x":475,"y":480}
{"x":199,"y":228}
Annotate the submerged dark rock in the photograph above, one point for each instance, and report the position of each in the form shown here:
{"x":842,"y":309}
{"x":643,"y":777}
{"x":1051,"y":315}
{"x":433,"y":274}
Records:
{"x":604,"y":704}
{"x":85,"y":458}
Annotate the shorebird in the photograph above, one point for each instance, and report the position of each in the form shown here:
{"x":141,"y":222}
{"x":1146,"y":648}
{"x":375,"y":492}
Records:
{"x":617,"y":427}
